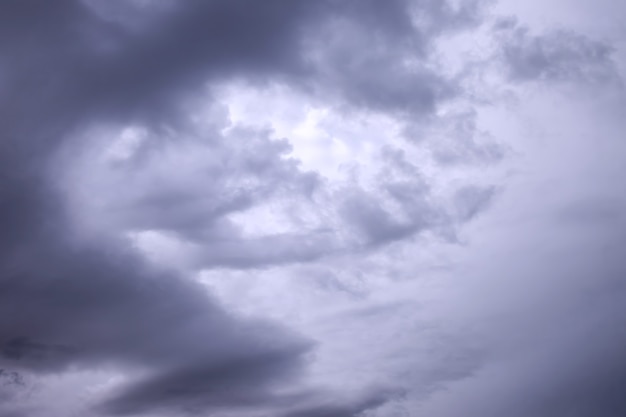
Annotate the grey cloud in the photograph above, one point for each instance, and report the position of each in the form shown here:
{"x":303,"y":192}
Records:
{"x":578,"y":371}
{"x":88,"y":309}
{"x":554,"y":56}
{"x":144,"y":69}
{"x":75,"y":301}
{"x":246,"y":383}
{"x":471,"y":200}
{"x":462,"y":142}
{"x":99,"y":305}
{"x":599,"y":213}
{"x":357,"y":407}
{"x":247,"y":387}
{"x":381,"y":64}
{"x":552,"y":305}
{"x":167,"y":56}
{"x":67,"y":301}
{"x":377,"y":225}
{"x":268,"y":250}
{"x":211,"y":179}
{"x":189,"y":190}
{"x":354,"y":63}
{"x":398,"y":204}
{"x":370,"y":220}
{"x":13,"y":394}
{"x":584,"y":372}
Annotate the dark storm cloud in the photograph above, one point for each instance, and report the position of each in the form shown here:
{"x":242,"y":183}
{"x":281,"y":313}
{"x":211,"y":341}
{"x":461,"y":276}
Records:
{"x":65,"y":300}
{"x":240,"y":382}
{"x":554,"y":56}
{"x":93,"y":61}
{"x":81,"y":303}
{"x":101,"y":65}
{"x":68,"y":300}
{"x":246,"y":385}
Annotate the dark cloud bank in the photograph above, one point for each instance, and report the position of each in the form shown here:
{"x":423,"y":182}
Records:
{"x":71,"y":300}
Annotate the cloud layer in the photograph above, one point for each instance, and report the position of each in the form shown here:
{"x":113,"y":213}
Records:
{"x":301,"y":209}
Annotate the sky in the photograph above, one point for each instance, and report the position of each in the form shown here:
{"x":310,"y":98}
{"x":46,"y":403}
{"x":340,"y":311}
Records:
{"x":298,"y":208}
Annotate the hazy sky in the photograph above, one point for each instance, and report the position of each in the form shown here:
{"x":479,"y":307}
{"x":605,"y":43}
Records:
{"x":312,"y":208}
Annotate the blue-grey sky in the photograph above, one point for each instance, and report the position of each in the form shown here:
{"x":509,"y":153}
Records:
{"x":295,"y":208}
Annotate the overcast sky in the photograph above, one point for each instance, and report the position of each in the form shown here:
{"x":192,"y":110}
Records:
{"x":312,"y":208}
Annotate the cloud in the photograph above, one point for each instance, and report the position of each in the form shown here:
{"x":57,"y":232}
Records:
{"x":557,"y":55}
{"x":76,"y":300}
{"x":183,"y":207}
{"x":125,"y":176}
{"x":377,"y":58}
{"x":358,"y":406}
{"x":68,"y":301}
{"x":245,"y":382}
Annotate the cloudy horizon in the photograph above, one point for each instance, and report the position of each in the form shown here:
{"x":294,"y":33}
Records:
{"x":312,"y":208}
